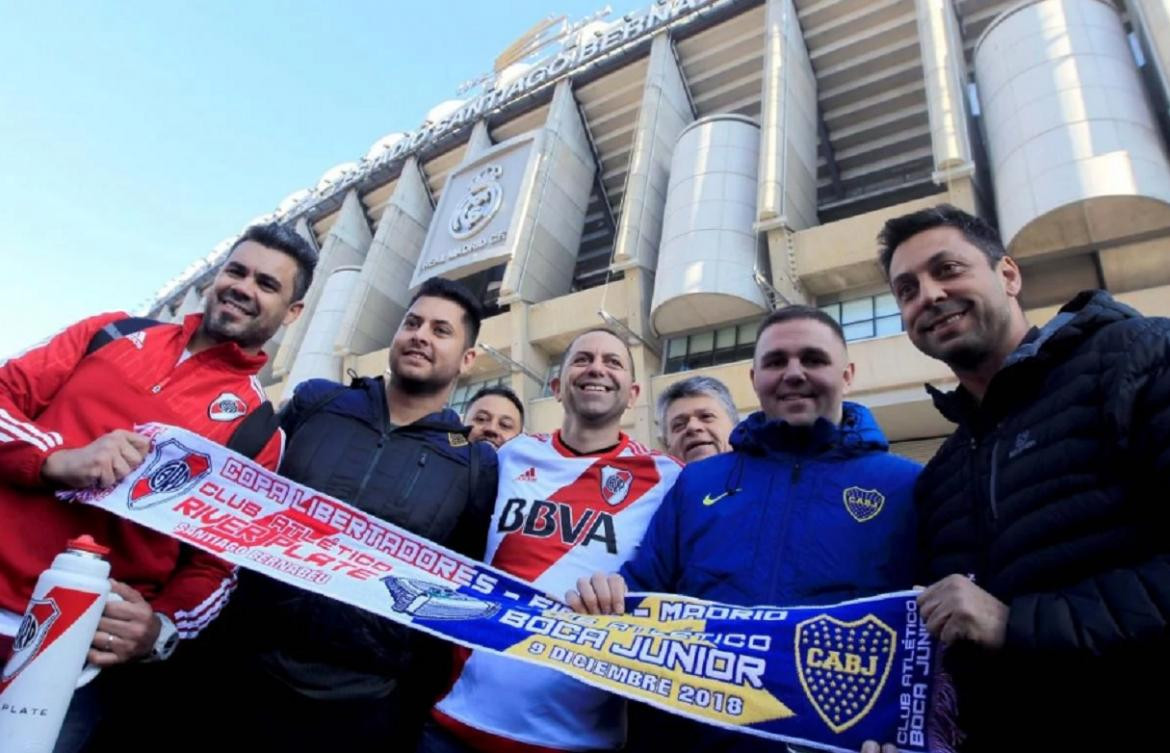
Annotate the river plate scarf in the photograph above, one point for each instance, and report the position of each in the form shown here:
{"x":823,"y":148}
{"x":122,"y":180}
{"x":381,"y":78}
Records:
{"x":830,"y":676}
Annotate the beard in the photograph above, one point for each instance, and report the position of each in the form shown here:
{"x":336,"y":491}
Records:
{"x":247,"y":332}
{"x":969,"y":351}
{"x":423,"y":386}
{"x":420,"y":387}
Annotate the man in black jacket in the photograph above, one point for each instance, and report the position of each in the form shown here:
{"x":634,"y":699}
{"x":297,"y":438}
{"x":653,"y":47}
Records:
{"x":1043,"y":518}
{"x":314,"y":674}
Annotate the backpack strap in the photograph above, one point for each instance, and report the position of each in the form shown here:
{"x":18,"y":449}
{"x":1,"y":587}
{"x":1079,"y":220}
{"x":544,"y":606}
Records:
{"x":251,"y":436}
{"x":118,"y":328}
{"x":473,"y":469}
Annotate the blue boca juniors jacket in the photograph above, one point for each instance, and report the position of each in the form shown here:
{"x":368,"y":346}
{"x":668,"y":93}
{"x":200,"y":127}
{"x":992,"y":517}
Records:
{"x":793,"y":516}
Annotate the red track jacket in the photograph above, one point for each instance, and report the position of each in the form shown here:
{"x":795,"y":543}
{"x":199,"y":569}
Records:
{"x":55,"y":397}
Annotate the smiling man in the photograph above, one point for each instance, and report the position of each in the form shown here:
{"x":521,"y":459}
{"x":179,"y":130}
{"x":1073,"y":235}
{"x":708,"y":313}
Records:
{"x":391,"y":448}
{"x":569,"y":503}
{"x":1050,"y":493}
{"x":696,"y":416}
{"x":494,"y":414}
{"x":807,"y":508}
{"x":67,"y":409}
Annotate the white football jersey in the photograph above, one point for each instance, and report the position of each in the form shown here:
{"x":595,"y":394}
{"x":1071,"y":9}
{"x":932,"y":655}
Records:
{"x":559,"y":516}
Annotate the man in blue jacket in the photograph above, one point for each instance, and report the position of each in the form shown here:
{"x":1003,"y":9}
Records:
{"x":808,"y":508}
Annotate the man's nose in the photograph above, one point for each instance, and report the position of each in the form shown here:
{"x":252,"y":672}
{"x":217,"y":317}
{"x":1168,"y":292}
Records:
{"x":931,"y":291}
{"x":793,"y":371}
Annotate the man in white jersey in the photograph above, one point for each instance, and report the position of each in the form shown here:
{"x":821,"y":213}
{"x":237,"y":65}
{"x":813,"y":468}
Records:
{"x":569,"y":504}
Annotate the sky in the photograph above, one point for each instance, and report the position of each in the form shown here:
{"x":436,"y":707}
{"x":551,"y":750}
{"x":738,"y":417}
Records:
{"x":134,"y":136}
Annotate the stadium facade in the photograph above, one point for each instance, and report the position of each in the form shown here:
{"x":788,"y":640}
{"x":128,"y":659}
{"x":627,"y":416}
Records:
{"x":678,"y":171}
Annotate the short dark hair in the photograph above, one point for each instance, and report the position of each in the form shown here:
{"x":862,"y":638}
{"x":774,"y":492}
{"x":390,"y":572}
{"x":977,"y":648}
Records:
{"x":457,"y":293}
{"x":608,"y":331}
{"x":977,"y":231}
{"x":501,"y":391}
{"x":798,"y":311}
{"x":286,"y":240}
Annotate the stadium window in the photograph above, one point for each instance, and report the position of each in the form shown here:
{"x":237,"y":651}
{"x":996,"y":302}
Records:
{"x":712,"y":347}
{"x":463,"y":392}
{"x":863,"y":318}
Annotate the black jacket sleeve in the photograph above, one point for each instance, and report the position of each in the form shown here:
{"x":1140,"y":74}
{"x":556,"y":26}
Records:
{"x":1130,"y":605}
{"x":470,"y":536}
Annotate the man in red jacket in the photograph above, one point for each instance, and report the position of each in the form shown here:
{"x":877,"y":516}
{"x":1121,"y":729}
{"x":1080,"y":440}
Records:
{"x":66,"y":415}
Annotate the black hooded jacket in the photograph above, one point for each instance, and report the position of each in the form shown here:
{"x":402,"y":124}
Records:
{"x":1054,"y":494}
{"x":421,"y":477}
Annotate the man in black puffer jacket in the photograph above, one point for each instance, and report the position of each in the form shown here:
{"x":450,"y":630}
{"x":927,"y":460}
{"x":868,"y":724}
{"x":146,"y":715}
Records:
{"x":310,"y":673}
{"x":1044,"y":519}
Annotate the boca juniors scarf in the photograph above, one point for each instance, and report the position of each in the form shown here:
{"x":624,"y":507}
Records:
{"x":830,"y":676}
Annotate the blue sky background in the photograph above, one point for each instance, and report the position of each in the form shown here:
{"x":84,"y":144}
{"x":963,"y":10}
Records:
{"x":134,"y":136}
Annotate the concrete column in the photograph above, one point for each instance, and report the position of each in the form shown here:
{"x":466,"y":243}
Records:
{"x":305,"y":230}
{"x":638,"y":288}
{"x":788,"y":125}
{"x":479,"y":141}
{"x":523,"y":352}
{"x":345,"y":245}
{"x":552,"y":207}
{"x":317,"y":358}
{"x":381,"y":293}
{"x":192,"y":304}
{"x":665,"y":112}
{"x":946,"y":86}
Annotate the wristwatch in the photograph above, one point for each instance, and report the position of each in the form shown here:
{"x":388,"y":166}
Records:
{"x":168,"y":639}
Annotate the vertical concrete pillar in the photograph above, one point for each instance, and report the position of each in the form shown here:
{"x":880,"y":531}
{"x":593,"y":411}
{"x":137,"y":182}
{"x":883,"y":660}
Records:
{"x":552,"y":207}
{"x":317,"y":358}
{"x":523,"y":352}
{"x":345,"y":245}
{"x":664,"y":113}
{"x":479,"y":141}
{"x":788,"y":124}
{"x":638,"y":289}
{"x":192,"y":304}
{"x":381,"y":293}
{"x":944,"y":70}
{"x":787,"y":195}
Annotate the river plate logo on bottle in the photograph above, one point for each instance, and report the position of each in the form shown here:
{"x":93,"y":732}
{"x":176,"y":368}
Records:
{"x":481,"y":203}
{"x":34,"y":627}
{"x":843,"y":666}
{"x":430,"y":601}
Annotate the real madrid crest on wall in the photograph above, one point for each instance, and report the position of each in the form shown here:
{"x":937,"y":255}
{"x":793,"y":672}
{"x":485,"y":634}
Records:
{"x":481,"y":203}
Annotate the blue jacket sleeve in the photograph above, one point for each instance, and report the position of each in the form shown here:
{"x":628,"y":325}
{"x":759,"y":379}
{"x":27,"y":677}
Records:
{"x":654,"y":566}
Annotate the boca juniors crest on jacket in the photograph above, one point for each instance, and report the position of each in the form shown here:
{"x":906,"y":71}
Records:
{"x":558,"y":517}
{"x":817,"y":515}
{"x":794,"y":516}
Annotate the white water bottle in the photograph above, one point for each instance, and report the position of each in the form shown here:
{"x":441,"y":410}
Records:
{"x":48,"y":653}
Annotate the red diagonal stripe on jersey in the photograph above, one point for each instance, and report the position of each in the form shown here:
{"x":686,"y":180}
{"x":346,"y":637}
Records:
{"x":529,"y":556}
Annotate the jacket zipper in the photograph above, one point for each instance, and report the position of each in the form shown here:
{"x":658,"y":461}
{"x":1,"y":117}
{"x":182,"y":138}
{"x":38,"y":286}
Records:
{"x":422,"y":463}
{"x":372,"y":465}
{"x":793,"y":478}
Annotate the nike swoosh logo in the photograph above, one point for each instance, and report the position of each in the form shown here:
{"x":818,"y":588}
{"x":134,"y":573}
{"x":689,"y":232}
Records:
{"x":709,"y":500}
